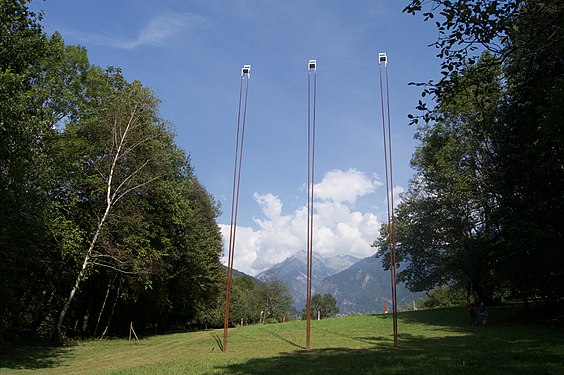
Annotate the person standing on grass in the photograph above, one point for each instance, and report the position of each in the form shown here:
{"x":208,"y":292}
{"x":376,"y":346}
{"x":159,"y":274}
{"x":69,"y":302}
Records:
{"x":483,"y":314}
{"x":472,"y":314}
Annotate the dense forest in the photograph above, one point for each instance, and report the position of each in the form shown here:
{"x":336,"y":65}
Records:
{"x":102,"y":219}
{"x":484,"y":212}
{"x":103,"y":222}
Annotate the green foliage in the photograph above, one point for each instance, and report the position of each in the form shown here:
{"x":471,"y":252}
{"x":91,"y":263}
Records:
{"x":465,"y":28}
{"x":251,"y":302}
{"x":531,"y":153}
{"x":246,"y":301}
{"x":162,"y":230}
{"x":483,"y":207}
{"x":444,"y":226}
{"x":245,"y":304}
{"x":277,"y":301}
{"x":324,"y":305}
{"x":444,"y":296}
{"x":90,"y":174}
{"x":24,"y":171}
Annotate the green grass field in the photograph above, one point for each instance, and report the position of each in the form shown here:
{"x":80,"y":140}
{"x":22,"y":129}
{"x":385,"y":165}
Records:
{"x":430,"y":342}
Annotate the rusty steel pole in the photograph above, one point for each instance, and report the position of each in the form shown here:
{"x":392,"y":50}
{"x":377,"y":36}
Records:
{"x":245,"y":76}
{"x":387,"y":140}
{"x":312,"y":69}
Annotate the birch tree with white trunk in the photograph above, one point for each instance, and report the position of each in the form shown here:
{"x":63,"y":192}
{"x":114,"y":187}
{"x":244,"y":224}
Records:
{"x":118,"y":148}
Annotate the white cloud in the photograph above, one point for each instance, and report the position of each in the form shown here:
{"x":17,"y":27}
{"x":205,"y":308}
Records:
{"x":338,"y":228}
{"x":246,"y":247}
{"x":165,"y":26}
{"x":345,"y":186}
{"x":270,"y":204}
{"x":397,"y":191}
{"x":159,"y":29}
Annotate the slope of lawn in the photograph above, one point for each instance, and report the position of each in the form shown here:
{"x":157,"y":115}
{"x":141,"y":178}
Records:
{"x":430,"y":342}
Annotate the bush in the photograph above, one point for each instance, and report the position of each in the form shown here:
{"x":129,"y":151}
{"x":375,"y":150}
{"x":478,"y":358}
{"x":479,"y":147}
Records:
{"x":444,"y":296}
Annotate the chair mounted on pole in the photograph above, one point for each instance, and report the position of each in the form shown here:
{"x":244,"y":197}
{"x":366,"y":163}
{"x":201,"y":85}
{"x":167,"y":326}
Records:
{"x":246,"y":70}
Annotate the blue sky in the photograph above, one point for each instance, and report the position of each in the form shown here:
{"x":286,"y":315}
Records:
{"x":191,"y":53}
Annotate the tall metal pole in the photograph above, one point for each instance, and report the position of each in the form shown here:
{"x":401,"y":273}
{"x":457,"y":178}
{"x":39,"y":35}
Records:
{"x":392,"y":217}
{"x":312,"y":68}
{"x":387,"y":138}
{"x":245,"y":76}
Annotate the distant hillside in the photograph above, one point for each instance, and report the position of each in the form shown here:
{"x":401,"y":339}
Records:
{"x":360,"y":286}
{"x":237,"y":273}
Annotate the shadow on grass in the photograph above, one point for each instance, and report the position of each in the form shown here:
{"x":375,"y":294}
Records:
{"x":501,"y":315}
{"x":282,"y":338}
{"x":375,"y":340}
{"x":218,"y":341}
{"x":446,"y":355}
{"x":31,"y":356}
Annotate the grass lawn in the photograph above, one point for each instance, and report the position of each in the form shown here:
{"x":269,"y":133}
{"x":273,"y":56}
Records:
{"x":430,"y":342}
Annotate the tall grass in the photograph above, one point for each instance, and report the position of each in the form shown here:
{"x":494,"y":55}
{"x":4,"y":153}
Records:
{"x":430,"y":342}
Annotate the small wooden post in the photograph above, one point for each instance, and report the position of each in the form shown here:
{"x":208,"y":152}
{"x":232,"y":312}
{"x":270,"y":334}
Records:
{"x":132,"y":330}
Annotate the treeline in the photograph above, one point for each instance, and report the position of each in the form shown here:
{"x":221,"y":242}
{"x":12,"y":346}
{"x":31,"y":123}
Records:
{"x":102,"y":219}
{"x":485,"y":211}
{"x":252,"y":302}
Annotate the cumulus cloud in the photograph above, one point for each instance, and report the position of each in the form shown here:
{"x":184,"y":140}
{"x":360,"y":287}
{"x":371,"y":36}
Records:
{"x":345,"y":186}
{"x":338,"y":228}
{"x":246,"y":247}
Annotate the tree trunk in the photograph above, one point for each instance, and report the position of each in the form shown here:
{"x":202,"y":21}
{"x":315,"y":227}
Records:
{"x":113,"y":194}
{"x":102,"y":309}
{"x":82,"y":270}
{"x":112,"y":312}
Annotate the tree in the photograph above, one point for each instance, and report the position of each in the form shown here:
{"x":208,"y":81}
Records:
{"x":508,"y":224}
{"x":140,"y":213}
{"x":276,"y":299}
{"x":444,"y":296}
{"x":118,"y":148}
{"x":531,"y":153}
{"x":246,"y":301}
{"x":444,"y":226}
{"x":41,"y":85}
{"x":192,"y":268}
{"x":24,"y":168}
{"x":95,"y":195}
{"x":466,"y":29}
{"x":324,"y":305}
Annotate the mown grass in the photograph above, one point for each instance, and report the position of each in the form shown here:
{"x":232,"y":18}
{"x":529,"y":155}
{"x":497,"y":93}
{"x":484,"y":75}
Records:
{"x":430,"y":342}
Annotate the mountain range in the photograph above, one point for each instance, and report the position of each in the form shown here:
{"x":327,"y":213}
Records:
{"x":358,"y":285}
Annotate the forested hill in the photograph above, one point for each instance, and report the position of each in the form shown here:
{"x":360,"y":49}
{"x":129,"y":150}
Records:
{"x":103,"y":221}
